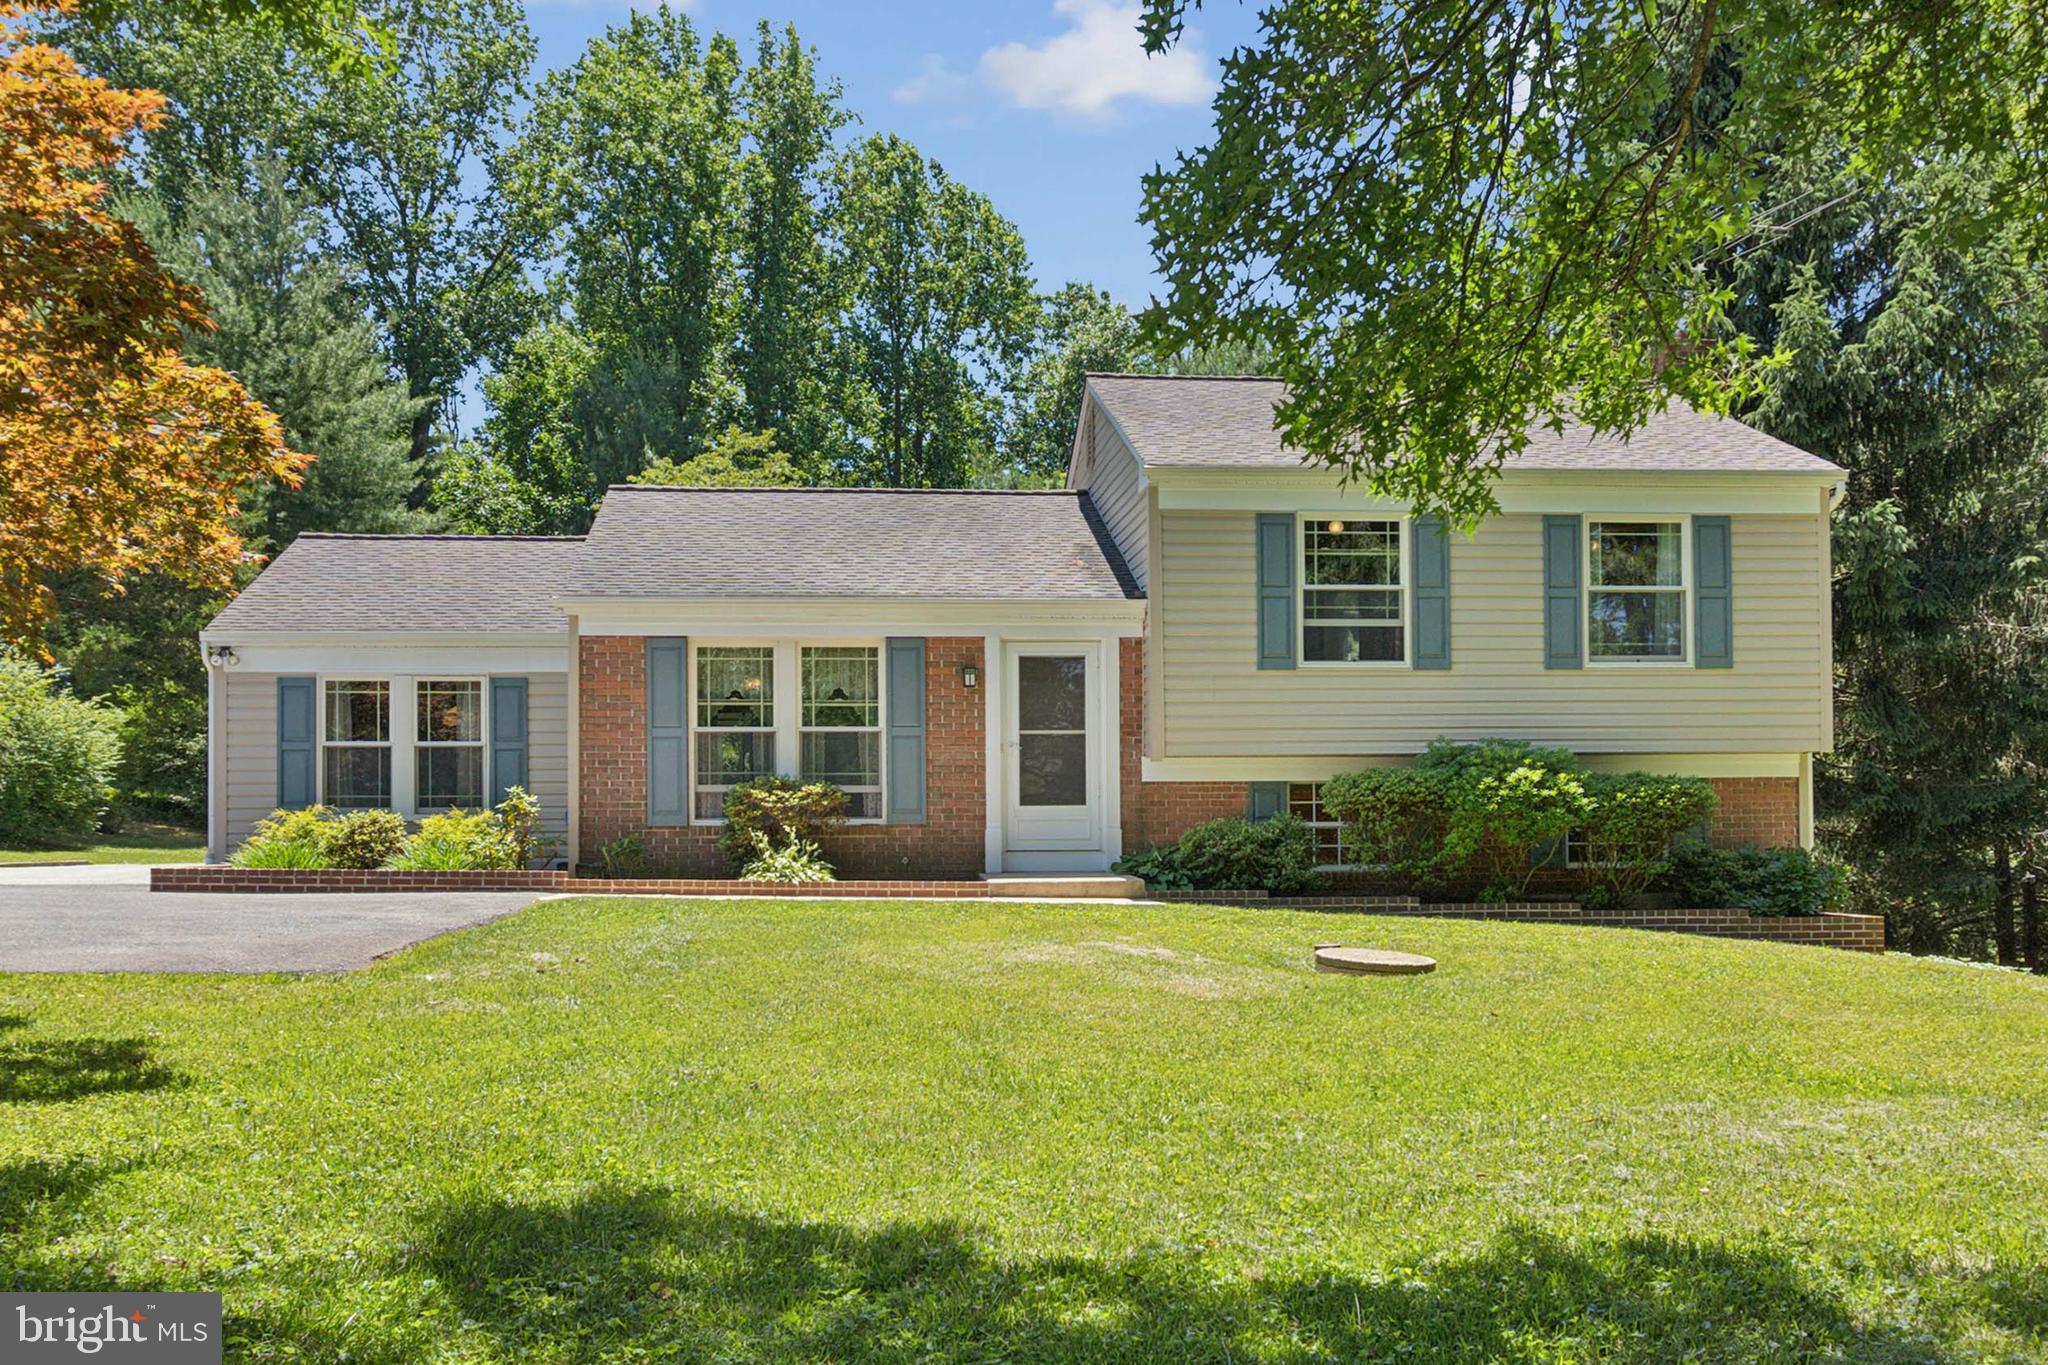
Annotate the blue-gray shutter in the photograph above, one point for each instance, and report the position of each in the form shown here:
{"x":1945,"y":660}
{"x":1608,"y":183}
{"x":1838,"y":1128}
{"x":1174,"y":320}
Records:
{"x":1276,"y":589}
{"x":1563,"y":606}
{"x":1432,"y":646}
{"x":508,"y":736}
{"x":905,"y":780}
{"x":668,"y":731}
{"x":298,"y":742}
{"x":1714,"y":594}
{"x":1268,"y":799}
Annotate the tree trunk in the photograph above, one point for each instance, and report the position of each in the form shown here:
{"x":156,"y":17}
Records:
{"x":2005,"y":924}
{"x":2030,"y":924}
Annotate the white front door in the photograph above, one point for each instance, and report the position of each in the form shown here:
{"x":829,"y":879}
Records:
{"x":1052,"y":732}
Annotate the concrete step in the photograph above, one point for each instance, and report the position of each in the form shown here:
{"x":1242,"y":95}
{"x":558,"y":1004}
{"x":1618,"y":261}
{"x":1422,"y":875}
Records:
{"x":1065,"y":885}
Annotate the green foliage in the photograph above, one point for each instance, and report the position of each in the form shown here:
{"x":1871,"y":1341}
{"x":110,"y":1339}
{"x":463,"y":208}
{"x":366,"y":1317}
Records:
{"x":1393,"y":818}
{"x":57,"y":756}
{"x":1233,"y":854}
{"x":774,"y":813}
{"x":624,"y":856}
{"x":287,"y":326}
{"x":364,"y":839}
{"x":1634,"y":827}
{"x":1376,"y":207}
{"x":458,"y":841}
{"x":940,"y":313}
{"x":288,"y":839}
{"x":738,"y":459}
{"x":518,"y":817}
{"x":163,"y":750}
{"x":1081,"y":329}
{"x":799,"y":860}
{"x":1764,"y":881}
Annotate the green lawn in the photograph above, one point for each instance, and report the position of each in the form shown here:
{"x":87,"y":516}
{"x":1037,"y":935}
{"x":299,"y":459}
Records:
{"x":140,"y":843}
{"x":626,"y":1130}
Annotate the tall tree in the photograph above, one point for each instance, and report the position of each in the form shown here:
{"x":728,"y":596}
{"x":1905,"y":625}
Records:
{"x":941,"y":312}
{"x":1080,"y":329}
{"x":737,"y":459}
{"x":286,"y":325}
{"x":399,"y":164}
{"x":1920,"y":362}
{"x":630,"y":159}
{"x":527,"y":475}
{"x":116,"y":453}
{"x":1452,"y":221}
{"x":789,"y":295}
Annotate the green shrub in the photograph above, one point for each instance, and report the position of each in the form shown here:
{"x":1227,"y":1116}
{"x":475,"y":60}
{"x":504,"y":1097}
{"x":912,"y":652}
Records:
{"x":624,"y":856}
{"x":1233,"y":854}
{"x":365,"y":839}
{"x":797,"y":861}
{"x":518,"y":818}
{"x":162,"y":773}
{"x":58,"y":756}
{"x":1393,"y":818}
{"x":782,"y":811}
{"x":1763,"y":881}
{"x":1634,"y":828}
{"x":457,"y":842}
{"x":289,"y":838}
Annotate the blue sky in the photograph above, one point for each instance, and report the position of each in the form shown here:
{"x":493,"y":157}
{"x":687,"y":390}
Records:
{"x":1049,"y":107}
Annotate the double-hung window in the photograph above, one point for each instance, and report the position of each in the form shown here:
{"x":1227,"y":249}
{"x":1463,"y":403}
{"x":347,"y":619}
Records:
{"x":448,"y":747}
{"x":1305,"y":802}
{"x":1635,"y":602}
{"x":1351,"y":591}
{"x":355,"y":745}
{"x":840,"y":729}
{"x":735,"y":721}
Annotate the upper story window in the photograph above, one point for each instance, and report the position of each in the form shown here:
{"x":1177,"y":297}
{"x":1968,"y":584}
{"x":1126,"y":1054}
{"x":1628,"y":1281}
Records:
{"x":840,"y":731}
{"x":355,"y":745}
{"x":448,"y":750}
{"x":1352,"y":604}
{"x":1635,"y":605}
{"x":735,"y":721}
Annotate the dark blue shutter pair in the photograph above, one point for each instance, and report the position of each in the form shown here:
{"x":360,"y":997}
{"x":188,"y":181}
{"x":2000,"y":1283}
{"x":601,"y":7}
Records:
{"x":1431,"y":581}
{"x":1713,"y":592}
{"x":668,"y":731}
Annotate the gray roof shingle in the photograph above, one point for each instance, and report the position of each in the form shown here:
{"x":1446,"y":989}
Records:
{"x":403,"y":584}
{"x":1227,"y":423}
{"x":848,"y":542}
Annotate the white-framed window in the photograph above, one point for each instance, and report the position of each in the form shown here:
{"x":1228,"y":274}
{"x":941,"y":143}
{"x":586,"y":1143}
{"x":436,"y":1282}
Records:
{"x":1636,"y":571}
{"x":735,"y":720}
{"x":1305,"y":801}
{"x":448,"y":744}
{"x":1353,"y":595}
{"x":355,"y":743}
{"x":839,"y":733}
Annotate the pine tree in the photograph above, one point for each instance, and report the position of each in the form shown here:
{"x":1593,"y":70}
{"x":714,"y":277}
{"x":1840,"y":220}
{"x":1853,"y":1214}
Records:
{"x":287,"y":326}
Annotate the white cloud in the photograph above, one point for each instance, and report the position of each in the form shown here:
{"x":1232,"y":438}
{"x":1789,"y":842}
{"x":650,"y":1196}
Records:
{"x":1100,"y":61}
{"x":937,"y":81}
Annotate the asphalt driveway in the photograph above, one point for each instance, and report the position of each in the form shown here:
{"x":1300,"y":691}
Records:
{"x":106,"y":919}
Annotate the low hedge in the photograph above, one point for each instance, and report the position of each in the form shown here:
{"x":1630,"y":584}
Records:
{"x":1232,"y":854}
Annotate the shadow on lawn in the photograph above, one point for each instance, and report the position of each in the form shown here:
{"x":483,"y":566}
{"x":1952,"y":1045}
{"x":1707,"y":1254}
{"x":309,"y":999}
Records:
{"x":47,"y":1191}
{"x":621,"y":1274}
{"x":51,"y":1070}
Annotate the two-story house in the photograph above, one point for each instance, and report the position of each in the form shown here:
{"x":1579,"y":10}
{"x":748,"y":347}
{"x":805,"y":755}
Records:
{"x":1197,"y":625}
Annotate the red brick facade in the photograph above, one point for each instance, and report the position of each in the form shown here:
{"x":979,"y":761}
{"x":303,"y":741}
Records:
{"x":1160,"y":812}
{"x":612,"y":738}
{"x":1756,"y":810}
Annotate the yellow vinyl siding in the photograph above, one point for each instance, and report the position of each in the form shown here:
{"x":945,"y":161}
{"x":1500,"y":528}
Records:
{"x":1216,"y":703}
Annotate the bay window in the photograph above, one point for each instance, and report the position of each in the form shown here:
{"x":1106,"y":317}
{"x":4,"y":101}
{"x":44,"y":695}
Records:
{"x":735,"y":718}
{"x":448,"y":747}
{"x":1636,"y":590}
{"x":1352,"y":608}
{"x":840,"y":730}
{"x":355,"y":745}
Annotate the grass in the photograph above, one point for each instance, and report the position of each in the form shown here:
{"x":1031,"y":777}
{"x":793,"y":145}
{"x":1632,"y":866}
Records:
{"x":626,"y":1130}
{"x":138,"y":843}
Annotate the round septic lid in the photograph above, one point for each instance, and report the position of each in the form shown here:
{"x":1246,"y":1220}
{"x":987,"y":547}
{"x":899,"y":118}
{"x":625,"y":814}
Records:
{"x":1371,"y":961}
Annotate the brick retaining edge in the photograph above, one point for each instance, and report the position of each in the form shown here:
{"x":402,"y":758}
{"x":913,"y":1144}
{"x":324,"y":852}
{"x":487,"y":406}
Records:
{"x":1835,"y":929}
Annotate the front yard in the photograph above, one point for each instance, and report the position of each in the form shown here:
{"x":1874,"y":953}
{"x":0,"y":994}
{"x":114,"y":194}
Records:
{"x":139,"y":843}
{"x":641,"y":1129}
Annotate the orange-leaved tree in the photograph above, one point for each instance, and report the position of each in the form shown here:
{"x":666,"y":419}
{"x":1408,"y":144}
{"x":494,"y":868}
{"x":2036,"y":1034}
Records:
{"x":116,"y":456}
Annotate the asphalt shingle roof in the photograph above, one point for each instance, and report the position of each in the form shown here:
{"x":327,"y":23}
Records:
{"x":848,"y":542}
{"x":1227,"y":423}
{"x":408,"y":583}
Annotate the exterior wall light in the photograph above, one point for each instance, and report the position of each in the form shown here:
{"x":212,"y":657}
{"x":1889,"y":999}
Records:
{"x":970,"y":675}
{"x":222,"y":656}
